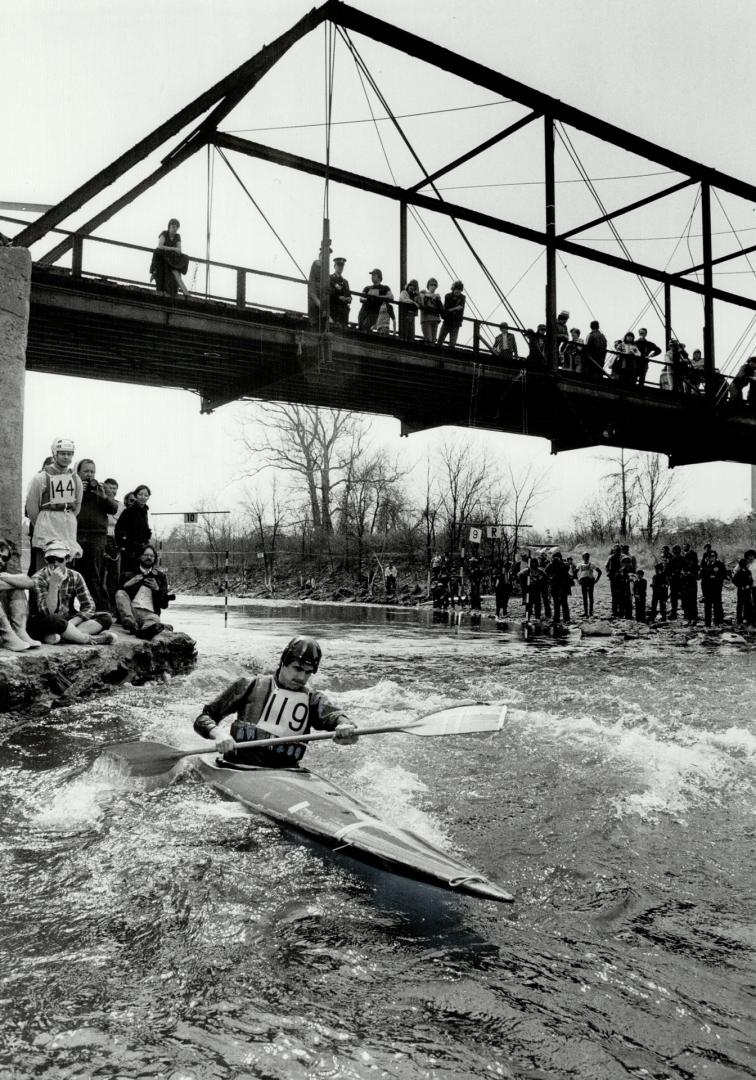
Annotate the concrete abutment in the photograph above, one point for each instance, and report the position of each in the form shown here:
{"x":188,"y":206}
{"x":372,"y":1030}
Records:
{"x":15,"y":292}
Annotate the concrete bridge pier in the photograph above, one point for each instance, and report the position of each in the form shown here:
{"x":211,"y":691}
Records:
{"x":15,"y":290}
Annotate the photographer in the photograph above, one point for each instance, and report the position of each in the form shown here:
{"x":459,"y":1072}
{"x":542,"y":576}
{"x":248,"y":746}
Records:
{"x":141,"y":597}
{"x":92,"y":532}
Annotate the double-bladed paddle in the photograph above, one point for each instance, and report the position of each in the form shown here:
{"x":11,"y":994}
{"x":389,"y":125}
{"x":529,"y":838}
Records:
{"x":153,"y":758}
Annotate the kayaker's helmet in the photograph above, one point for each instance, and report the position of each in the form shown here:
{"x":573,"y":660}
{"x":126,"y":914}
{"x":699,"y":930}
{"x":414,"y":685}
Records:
{"x":305,"y":649}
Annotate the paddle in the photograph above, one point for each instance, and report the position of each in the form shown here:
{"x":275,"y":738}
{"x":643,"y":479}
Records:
{"x":153,"y":758}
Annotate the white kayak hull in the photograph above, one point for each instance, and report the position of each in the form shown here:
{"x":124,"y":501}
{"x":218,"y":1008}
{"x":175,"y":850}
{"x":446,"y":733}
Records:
{"x":301,"y":800}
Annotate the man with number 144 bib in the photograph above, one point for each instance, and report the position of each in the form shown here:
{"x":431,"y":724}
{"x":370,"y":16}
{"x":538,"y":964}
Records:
{"x":53,"y":503}
{"x":274,"y":706}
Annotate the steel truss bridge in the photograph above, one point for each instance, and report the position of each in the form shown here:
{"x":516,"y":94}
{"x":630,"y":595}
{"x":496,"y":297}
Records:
{"x":227,"y":348}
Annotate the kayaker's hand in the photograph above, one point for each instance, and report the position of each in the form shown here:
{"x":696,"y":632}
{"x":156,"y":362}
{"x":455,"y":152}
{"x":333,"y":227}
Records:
{"x":345,"y":733}
{"x":224,"y":744}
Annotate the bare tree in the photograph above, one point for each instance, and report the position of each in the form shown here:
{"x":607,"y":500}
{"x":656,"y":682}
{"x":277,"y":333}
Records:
{"x":267,"y":514}
{"x":621,"y":481}
{"x":317,"y":447}
{"x":463,"y":484}
{"x":655,"y":488}
{"x":526,"y":490}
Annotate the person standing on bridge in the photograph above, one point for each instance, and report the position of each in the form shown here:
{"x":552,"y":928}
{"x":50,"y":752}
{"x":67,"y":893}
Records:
{"x":53,"y":502}
{"x":648,"y":350}
{"x":454,"y":312}
{"x":594,"y":354}
{"x":339,"y":295}
{"x":431,"y":310}
{"x":168,"y":263}
{"x":375,"y":300}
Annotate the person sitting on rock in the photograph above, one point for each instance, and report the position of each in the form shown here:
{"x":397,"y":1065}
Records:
{"x":61,"y":608}
{"x":14,"y":605}
{"x":142,"y":595}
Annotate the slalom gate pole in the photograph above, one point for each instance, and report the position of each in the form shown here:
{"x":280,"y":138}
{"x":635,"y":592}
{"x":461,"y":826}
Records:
{"x":225,"y":598}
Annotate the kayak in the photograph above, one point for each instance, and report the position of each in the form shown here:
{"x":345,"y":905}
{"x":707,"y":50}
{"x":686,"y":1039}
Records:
{"x":307,"y":803}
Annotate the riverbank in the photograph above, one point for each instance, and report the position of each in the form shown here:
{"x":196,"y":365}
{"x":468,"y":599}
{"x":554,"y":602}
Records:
{"x":56,"y":675}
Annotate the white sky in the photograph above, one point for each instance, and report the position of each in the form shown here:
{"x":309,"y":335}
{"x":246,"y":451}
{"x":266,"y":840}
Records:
{"x":82,"y":80}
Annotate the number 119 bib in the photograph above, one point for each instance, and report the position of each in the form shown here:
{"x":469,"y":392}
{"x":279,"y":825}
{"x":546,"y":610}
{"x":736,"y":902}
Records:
{"x":285,"y":712}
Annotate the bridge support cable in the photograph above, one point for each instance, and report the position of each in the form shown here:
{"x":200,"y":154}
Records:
{"x":209,"y":215}
{"x":260,"y":211}
{"x":550,"y":217}
{"x":361,"y":66}
{"x":573,"y":154}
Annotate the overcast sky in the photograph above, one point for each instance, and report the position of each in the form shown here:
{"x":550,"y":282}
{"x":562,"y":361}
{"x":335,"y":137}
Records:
{"x":82,"y":80}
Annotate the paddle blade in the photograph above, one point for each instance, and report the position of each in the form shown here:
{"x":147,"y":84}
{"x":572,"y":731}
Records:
{"x":145,"y":758}
{"x":461,"y":720}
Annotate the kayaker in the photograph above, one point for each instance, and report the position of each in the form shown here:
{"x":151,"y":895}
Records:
{"x":271,"y":706}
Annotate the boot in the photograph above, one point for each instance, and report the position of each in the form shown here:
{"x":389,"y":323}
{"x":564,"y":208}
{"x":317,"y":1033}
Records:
{"x":12,"y":642}
{"x":17,"y":612}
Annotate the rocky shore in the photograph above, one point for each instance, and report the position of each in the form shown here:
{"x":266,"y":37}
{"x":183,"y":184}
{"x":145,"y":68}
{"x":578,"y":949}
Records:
{"x":56,"y":675}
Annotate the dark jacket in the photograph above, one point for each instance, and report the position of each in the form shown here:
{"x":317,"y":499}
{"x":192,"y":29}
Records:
{"x":454,"y":308}
{"x":95,"y":507}
{"x":160,"y":596}
{"x":132,"y":529}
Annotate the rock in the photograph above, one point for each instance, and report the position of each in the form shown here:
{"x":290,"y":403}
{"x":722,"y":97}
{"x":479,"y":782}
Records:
{"x":68,"y":673}
{"x":733,"y":639}
{"x":600,"y":628}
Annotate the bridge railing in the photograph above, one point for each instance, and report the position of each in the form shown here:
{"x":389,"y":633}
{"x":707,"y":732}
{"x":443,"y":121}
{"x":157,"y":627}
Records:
{"x":481,"y":330}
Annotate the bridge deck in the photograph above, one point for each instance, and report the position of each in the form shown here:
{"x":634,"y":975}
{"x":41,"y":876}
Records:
{"x":101,"y":330}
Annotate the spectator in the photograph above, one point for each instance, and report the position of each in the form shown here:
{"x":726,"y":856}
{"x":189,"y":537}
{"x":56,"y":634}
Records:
{"x":627,"y":361}
{"x":613,"y":366}
{"x":431,"y":310}
{"x":588,"y":573}
{"x":560,"y":585}
{"x":14,"y":606}
{"x":61,"y":607}
{"x":314,"y":287}
{"x":375,"y":296}
{"x":390,"y":577}
{"x":533,"y":581}
{"x":613,"y":564}
{"x":503,"y":588}
{"x":594,"y":353}
{"x":572,"y":351}
{"x":659,"y":593}
{"x":168,"y":263}
{"x":745,"y":380}
{"x":53,"y":502}
{"x":340,"y":295}
{"x":454,"y":311}
{"x":142,"y":595}
{"x":112,"y":560}
{"x":474,"y":573}
{"x":674,"y":569}
{"x":505,"y":344}
{"x":648,"y":350}
{"x":640,"y":587}
{"x":92,"y":532}
{"x":537,"y":347}
{"x":561,"y":332}
{"x":133,"y":530}
{"x":713,"y":576}
{"x":408,"y":310}
{"x":742,"y":579}
{"x":696,"y":372}
{"x":689,"y":593}
{"x":676,"y":366}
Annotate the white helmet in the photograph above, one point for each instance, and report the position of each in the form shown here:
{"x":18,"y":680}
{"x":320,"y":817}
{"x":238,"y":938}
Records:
{"x":62,"y":444}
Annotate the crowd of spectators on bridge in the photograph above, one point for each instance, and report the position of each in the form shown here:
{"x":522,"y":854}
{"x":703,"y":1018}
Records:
{"x":679,"y":585}
{"x":589,"y":357}
{"x":92,"y":563}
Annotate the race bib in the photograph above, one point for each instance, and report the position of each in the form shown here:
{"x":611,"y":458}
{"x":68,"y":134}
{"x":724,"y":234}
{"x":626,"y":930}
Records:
{"x":285,"y":713}
{"x":61,"y":490}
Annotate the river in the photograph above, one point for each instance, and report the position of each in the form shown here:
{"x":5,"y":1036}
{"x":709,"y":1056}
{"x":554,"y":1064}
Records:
{"x":163,"y":932}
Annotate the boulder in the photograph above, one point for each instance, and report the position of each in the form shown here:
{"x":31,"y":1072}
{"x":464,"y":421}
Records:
{"x":600,"y":628}
{"x":57,"y":675}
